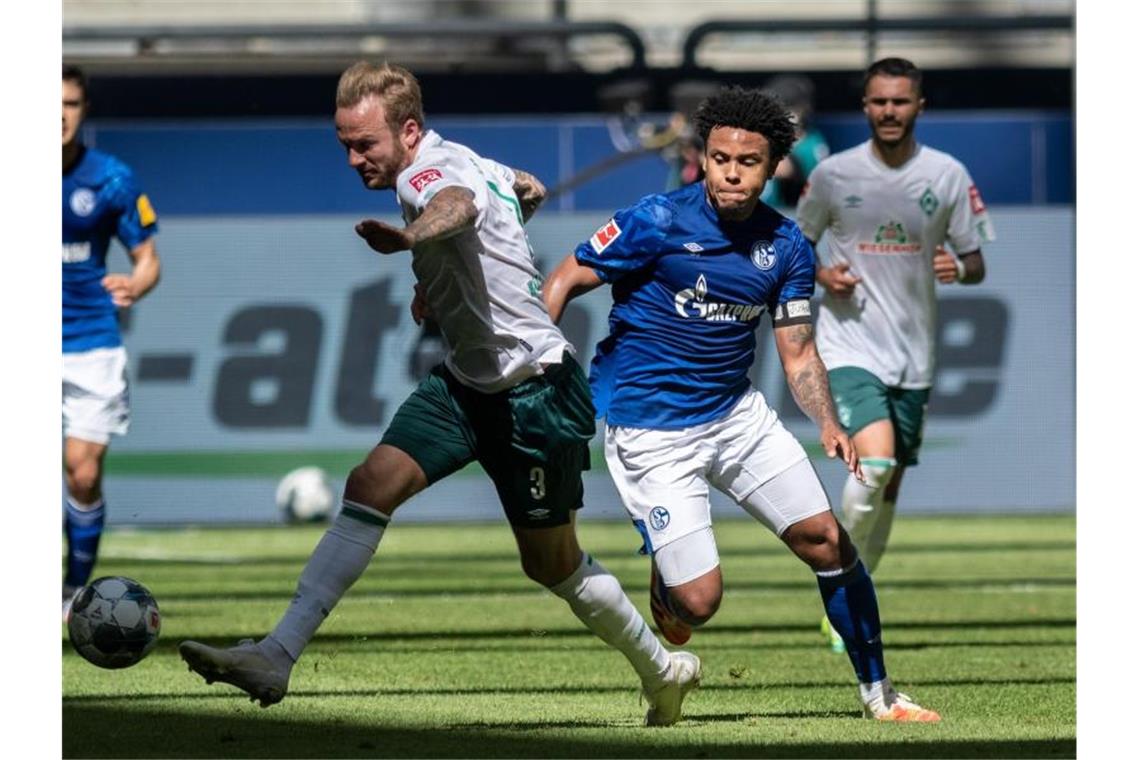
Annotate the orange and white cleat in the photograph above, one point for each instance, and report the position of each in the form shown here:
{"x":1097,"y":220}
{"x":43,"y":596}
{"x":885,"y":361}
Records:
{"x":896,"y":706}
{"x":675,"y":630}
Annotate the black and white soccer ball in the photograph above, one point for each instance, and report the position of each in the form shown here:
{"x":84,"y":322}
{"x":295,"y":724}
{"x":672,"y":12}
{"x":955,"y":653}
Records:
{"x":305,"y":495}
{"x":114,"y":622}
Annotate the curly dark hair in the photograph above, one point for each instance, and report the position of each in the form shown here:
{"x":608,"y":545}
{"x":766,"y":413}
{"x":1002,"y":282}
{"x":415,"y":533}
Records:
{"x":752,"y":111}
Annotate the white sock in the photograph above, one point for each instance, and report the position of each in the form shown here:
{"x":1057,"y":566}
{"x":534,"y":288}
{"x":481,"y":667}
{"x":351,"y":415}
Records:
{"x":339,"y":559}
{"x":876,"y":544}
{"x":863,"y":507}
{"x":598,"y":600}
{"x":874,"y":693}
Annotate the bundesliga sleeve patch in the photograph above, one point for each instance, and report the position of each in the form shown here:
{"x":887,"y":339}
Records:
{"x":422,"y":179}
{"x":792,"y":313}
{"x":147,"y":217}
{"x":977,"y":205}
{"x":601,"y":239}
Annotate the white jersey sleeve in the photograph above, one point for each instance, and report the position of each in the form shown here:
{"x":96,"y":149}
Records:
{"x":969,"y":225}
{"x":435,"y":169}
{"x":506,"y":173}
{"x":813,"y":212}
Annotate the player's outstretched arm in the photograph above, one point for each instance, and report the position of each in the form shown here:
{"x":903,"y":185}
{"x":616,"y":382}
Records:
{"x":125,"y":289}
{"x":569,"y":280}
{"x":807,"y":379}
{"x":968,"y":268}
{"x":450,"y":211}
{"x":530,"y":192}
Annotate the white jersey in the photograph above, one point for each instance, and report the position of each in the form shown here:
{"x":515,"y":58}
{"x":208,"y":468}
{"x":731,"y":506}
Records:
{"x":481,"y":284}
{"x":885,"y":223}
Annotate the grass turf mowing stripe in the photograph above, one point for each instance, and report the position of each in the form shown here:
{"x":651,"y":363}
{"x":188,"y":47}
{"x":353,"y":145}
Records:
{"x":275,"y":463}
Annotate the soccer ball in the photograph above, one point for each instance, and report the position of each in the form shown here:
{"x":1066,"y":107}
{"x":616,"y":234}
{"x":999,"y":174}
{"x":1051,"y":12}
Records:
{"x":114,"y":622}
{"x":305,"y":495}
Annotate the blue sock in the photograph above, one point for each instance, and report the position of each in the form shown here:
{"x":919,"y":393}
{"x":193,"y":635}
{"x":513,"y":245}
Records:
{"x":849,"y":598}
{"x":84,"y":528}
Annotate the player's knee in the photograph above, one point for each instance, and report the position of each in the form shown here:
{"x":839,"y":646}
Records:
{"x":816,"y":541}
{"x":696,"y":605}
{"x":365,"y":486}
{"x":545,"y":571}
{"x":377,"y":484}
{"x":690,"y":568}
{"x":878,"y":473}
{"x":84,"y":478}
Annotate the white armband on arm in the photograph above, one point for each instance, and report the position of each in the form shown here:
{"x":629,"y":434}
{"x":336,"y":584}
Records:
{"x":795,"y":312}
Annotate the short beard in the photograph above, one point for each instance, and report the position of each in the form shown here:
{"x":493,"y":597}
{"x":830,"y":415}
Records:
{"x":908,"y":130}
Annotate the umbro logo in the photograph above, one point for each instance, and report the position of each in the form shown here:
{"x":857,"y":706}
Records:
{"x":852,"y":201}
{"x":694,"y":247}
{"x":538,"y":514}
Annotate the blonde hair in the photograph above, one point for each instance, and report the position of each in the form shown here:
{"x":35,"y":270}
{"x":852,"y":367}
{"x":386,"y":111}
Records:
{"x":396,"y":87}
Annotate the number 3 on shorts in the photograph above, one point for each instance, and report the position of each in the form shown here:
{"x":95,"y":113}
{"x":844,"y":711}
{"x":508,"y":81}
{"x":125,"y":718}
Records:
{"x":538,"y":479}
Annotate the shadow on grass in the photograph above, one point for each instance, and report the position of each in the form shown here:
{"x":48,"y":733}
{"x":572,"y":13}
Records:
{"x":91,"y":730}
{"x":509,"y":587}
{"x":450,"y":560}
{"x":444,"y":643}
{"x":227,"y":692}
{"x":708,"y":634}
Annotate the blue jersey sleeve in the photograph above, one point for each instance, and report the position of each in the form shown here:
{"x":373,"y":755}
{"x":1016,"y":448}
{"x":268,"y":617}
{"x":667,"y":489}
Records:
{"x":631,"y":240}
{"x":137,"y":220}
{"x":791,"y":303}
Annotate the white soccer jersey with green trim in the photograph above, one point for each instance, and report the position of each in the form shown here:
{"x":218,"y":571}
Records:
{"x":885,"y":223}
{"x":481,"y":284}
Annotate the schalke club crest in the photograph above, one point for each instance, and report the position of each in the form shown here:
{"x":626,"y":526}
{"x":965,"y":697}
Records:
{"x":659,"y":518}
{"x":763,"y":255}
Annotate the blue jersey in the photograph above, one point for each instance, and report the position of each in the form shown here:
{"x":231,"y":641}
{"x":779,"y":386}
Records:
{"x":100,"y":200}
{"x":689,"y":290}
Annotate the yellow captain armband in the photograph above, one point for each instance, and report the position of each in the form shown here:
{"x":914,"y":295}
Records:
{"x":147,"y":217}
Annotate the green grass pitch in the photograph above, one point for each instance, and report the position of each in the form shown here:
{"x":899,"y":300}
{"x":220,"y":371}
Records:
{"x":444,"y":649}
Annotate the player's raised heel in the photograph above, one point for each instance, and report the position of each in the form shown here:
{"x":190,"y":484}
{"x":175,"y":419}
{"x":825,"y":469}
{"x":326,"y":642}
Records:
{"x":665,"y":701}
{"x":898,"y":707}
{"x":676,"y":631}
{"x":243,"y":666}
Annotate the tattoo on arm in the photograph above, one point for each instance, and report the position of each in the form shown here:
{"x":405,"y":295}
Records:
{"x":531,"y":193}
{"x":451,"y":210}
{"x":808,"y":382}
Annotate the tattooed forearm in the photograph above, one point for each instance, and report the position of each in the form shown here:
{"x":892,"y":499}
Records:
{"x":531,"y":193}
{"x":450,"y":211}
{"x":807,"y":377}
{"x":812,"y":392}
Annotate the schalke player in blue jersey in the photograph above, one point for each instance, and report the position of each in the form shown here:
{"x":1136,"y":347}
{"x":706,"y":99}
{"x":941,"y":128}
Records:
{"x":100,"y":200}
{"x":692,"y":272}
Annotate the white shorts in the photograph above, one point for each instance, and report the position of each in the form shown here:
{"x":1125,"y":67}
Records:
{"x":96,"y":403}
{"x":663,"y":476}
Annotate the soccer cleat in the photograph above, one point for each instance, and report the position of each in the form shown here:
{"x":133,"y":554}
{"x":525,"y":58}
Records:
{"x":896,"y":706}
{"x":665,"y":701}
{"x":834,"y":640}
{"x":243,"y":666}
{"x":675,"y":630}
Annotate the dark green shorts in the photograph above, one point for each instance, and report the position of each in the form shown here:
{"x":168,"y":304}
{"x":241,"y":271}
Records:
{"x":533,"y":439}
{"x":861,"y":398}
